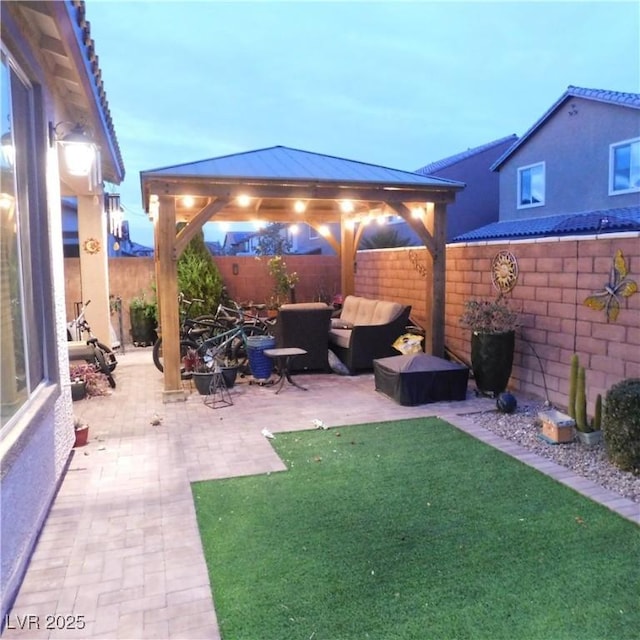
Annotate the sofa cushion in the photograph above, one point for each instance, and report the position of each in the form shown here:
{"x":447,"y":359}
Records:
{"x":340,"y":337}
{"x":303,"y":306}
{"x":359,"y":311}
{"x":339,"y":323}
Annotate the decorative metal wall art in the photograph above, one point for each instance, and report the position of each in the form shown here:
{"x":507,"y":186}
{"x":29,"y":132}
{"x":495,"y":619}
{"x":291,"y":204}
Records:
{"x":504,"y":271}
{"x":91,"y":246}
{"x":618,"y":286}
{"x":418,"y":266}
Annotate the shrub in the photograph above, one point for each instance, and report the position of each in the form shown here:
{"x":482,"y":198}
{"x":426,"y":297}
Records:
{"x":621,"y":425}
{"x":489,"y":316}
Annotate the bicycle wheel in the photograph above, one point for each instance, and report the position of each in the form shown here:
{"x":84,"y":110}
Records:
{"x":109,"y":356}
{"x":103,"y":367}
{"x":185,"y":345}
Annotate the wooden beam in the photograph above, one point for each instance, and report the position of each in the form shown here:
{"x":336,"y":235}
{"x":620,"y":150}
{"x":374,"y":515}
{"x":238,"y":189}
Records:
{"x":417,"y":225}
{"x":368,"y":193}
{"x":347,"y":260}
{"x":330,"y":239}
{"x":167,"y":286}
{"x":439,"y":279}
{"x":197,"y":222}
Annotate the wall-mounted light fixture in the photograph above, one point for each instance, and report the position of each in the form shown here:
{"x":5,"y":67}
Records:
{"x":235,"y":268}
{"x":299,"y":206}
{"x":79,"y":151}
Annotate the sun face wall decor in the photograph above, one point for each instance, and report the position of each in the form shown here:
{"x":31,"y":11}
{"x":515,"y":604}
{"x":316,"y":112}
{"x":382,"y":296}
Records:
{"x":504,"y":271}
{"x":91,"y":246}
{"x":619,"y":286}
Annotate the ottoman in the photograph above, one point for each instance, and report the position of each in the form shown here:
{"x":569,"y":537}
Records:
{"x":420,"y":379}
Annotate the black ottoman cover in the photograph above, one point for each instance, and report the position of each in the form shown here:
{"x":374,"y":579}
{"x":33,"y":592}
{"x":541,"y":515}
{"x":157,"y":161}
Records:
{"x":420,"y":379}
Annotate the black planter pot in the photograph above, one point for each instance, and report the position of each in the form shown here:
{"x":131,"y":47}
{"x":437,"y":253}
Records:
{"x":492,"y":360}
{"x":229,"y":374}
{"x":78,"y":390}
{"x":143,"y":328}
{"x":202,"y":382}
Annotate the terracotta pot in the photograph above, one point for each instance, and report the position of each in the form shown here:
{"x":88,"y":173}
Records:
{"x":82,"y":435}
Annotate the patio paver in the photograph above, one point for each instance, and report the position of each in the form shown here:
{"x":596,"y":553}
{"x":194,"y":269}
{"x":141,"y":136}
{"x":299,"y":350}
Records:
{"x":121,"y":545}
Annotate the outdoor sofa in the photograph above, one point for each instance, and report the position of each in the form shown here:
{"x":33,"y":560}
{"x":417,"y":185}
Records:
{"x":366,"y":329}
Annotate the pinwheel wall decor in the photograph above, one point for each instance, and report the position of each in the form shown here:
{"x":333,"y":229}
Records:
{"x":619,"y":286}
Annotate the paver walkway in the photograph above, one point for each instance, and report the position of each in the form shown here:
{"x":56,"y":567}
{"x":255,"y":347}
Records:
{"x":121,"y":545}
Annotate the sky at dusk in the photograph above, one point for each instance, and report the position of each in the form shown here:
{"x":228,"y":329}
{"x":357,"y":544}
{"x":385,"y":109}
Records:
{"x":399,"y":84}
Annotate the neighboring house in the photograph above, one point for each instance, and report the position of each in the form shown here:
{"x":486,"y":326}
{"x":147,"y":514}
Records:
{"x":575,"y":171}
{"x":477,"y":203}
{"x":474,"y":206}
{"x":49,"y":77}
{"x":303,"y":239}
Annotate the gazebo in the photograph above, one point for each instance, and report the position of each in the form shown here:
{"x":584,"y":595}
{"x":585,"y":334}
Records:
{"x":280,"y":184}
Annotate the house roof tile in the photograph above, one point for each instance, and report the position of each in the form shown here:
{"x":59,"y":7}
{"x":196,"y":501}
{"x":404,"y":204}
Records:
{"x":458,"y":157}
{"x":589,"y":222}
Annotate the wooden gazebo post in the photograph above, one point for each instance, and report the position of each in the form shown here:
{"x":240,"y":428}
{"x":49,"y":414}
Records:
{"x":167,"y":287}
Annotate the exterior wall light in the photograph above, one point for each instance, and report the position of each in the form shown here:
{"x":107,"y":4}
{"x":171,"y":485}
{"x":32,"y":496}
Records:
{"x":78,"y":150}
{"x":243,"y":201}
{"x":299,"y":206}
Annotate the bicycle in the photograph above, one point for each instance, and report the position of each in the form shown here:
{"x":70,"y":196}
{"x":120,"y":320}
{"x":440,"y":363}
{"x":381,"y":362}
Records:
{"x":91,"y":349}
{"x":193,"y":331}
{"x":231,"y":346}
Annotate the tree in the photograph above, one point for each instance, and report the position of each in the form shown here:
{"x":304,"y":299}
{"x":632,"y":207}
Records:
{"x":385,"y":238}
{"x":272,"y":241}
{"x":199,"y":276}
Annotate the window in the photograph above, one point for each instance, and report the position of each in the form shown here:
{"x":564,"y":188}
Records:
{"x":624,"y":167}
{"x":21,"y":285}
{"x":531,"y":186}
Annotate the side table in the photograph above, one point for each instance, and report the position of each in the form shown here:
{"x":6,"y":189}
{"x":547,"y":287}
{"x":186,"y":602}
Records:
{"x":282,"y":359}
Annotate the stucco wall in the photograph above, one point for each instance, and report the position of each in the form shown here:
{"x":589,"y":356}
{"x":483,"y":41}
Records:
{"x":574,"y":144}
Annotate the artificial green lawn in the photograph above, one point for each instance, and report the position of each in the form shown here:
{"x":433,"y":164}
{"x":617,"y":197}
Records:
{"x":412,"y":529}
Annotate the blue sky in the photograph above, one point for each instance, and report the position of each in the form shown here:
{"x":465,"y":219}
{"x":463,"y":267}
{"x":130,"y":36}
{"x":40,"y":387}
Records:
{"x":400,"y":84}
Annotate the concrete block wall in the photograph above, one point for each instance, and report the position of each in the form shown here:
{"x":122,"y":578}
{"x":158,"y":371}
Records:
{"x":555,"y":277}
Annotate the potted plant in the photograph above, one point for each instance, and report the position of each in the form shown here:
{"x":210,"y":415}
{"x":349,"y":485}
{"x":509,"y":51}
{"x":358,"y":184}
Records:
{"x":81,"y":432}
{"x":493,"y":324}
{"x":87,"y":381}
{"x":196,"y":368}
{"x":284,"y":282}
{"x":142,"y":313}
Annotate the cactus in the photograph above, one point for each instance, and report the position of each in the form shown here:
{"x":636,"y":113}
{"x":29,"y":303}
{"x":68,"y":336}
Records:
{"x":597,"y":418}
{"x":581,"y":402}
{"x":573,"y":382}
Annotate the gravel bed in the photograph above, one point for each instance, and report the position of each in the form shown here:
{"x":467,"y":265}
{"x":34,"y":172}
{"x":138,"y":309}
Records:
{"x":523,"y":427}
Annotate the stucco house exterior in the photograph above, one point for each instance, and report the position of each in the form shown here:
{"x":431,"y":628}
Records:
{"x":575,"y":171}
{"x":50,"y":82}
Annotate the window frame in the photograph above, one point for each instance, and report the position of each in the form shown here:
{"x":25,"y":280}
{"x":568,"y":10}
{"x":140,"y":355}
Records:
{"x":520,"y":172}
{"x":612,"y":157}
{"x":26,"y":113}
